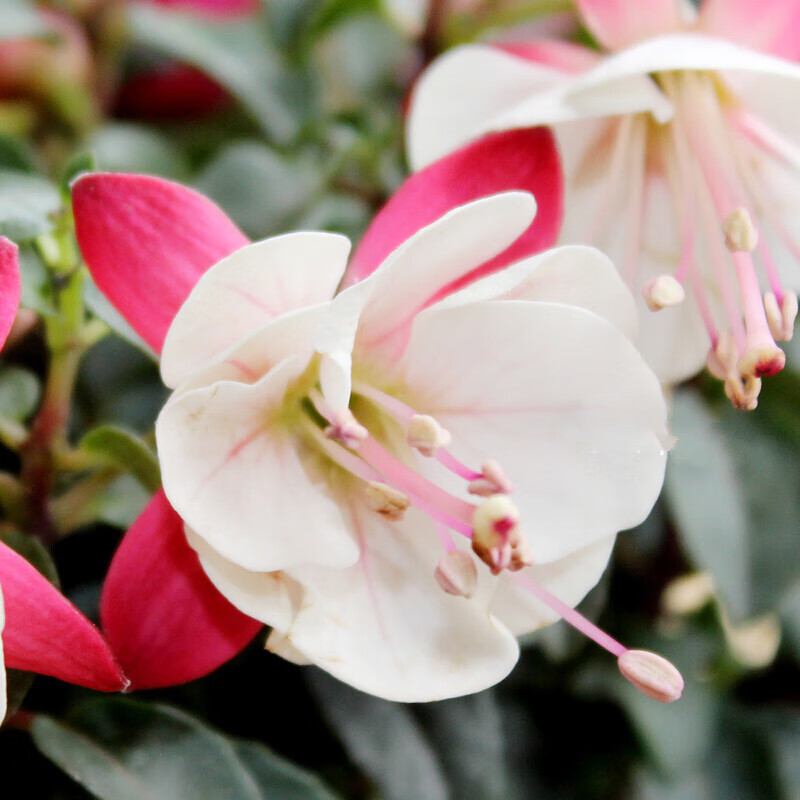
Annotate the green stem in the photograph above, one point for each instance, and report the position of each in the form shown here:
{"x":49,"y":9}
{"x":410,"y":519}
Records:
{"x":73,"y":509}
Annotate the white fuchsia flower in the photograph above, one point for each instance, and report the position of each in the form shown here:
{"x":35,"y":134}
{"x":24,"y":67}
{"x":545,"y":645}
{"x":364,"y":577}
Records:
{"x":338,"y":458}
{"x":681,"y":162}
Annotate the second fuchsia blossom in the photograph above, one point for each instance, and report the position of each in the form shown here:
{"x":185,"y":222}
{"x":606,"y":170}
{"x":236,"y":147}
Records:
{"x":681,"y":163}
{"x":396,"y":486}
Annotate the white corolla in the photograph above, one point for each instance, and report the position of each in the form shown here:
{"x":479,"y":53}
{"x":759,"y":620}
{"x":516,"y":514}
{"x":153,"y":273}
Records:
{"x":400,"y":487}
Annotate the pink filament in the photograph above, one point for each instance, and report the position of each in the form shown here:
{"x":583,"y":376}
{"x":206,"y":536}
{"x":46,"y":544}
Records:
{"x":570,"y":615}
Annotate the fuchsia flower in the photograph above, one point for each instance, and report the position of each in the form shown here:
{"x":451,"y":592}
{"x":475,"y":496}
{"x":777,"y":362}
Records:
{"x":330,"y":454}
{"x":680,"y":143}
{"x":41,"y":630}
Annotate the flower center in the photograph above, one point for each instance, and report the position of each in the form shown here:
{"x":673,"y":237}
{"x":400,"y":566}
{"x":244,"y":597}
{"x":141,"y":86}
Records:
{"x":492,"y":524}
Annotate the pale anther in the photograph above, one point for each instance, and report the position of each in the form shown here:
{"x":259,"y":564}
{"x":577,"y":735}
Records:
{"x":492,"y":481}
{"x":663,"y":292}
{"x":497,"y":538}
{"x":457,"y":574}
{"x":652,"y":675}
{"x":425,"y":434}
{"x":755,"y":642}
{"x":347,"y":429}
{"x":386,"y":501}
{"x":741,"y":234}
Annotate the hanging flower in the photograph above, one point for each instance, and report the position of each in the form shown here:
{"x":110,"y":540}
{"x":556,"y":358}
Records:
{"x":680,"y":163}
{"x":343,"y":463}
{"x":41,"y":630}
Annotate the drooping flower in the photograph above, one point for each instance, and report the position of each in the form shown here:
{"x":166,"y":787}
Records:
{"x":40,"y":630}
{"x":147,"y":242}
{"x":334,"y":459}
{"x":680,"y":163}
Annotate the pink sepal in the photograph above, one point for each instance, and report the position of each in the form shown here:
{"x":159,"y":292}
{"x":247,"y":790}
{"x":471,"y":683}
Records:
{"x":146,"y":242}
{"x":772,"y":26}
{"x":9,"y":286}
{"x":522,"y":159}
{"x":619,"y":23}
{"x":165,"y":621}
{"x":45,"y":633}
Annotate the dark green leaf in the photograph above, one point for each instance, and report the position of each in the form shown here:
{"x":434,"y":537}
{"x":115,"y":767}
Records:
{"x":27,"y":203}
{"x":125,"y":450}
{"x":125,"y":147}
{"x":127,"y":750}
{"x":120,"y":504}
{"x":705,"y":498}
{"x":260,"y":189}
{"x":100,"y":306}
{"x":19,"y":393}
{"x":383,"y":738}
{"x":15,"y":155}
{"x":81,"y":162}
{"x":237,"y":54}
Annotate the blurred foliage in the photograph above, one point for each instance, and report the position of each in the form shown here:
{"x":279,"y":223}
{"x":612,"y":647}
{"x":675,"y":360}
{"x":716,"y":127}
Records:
{"x":296,"y":123}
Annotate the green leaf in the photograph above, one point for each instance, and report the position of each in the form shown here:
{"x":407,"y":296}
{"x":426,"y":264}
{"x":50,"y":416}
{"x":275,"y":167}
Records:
{"x":19,"y":18}
{"x":704,"y":496}
{"x":27,"y":203}
{"x":126,"y":147}
{"x":120,"y":504}
{"x":235,"y":53}
{"x":125,"y":450}
{"x":101,"y":307}
{"x":260,"y":189}
{"x":36,"y":288}
{"x":19,"y":393}
{"x":121,"y":749}
{"x":467,"y":733}
{"x":15,"y":155}
{"x":81,"y":162}
{"x":383,"y":738}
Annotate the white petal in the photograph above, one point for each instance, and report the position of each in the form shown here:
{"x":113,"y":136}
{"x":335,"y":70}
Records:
{"x":235,"y":476}
{"x":560,"y":398}
{"x":3,"y":700}
{"x":385,"y":627}
{"x":439,"y":254}
{"x":377,"y":311}
{"x":569,"y":579}
{"x":270,"y":597}
{"x":247,"y":361}
{"x":572,"y":275}
{"x":247,"y":289}
{"x":476,"y":89}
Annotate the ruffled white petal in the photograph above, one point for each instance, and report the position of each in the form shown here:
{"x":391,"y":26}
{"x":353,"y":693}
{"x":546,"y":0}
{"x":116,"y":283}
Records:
{"x":376,"y":313}
{"x":248,"y":289}
{"x":235,"y":475}
{"x":384,"y":626}
{"x":573,"y":415}
{"x":573,"y":275}
{"x":569,"y":579}
{"x":476,"y":89}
